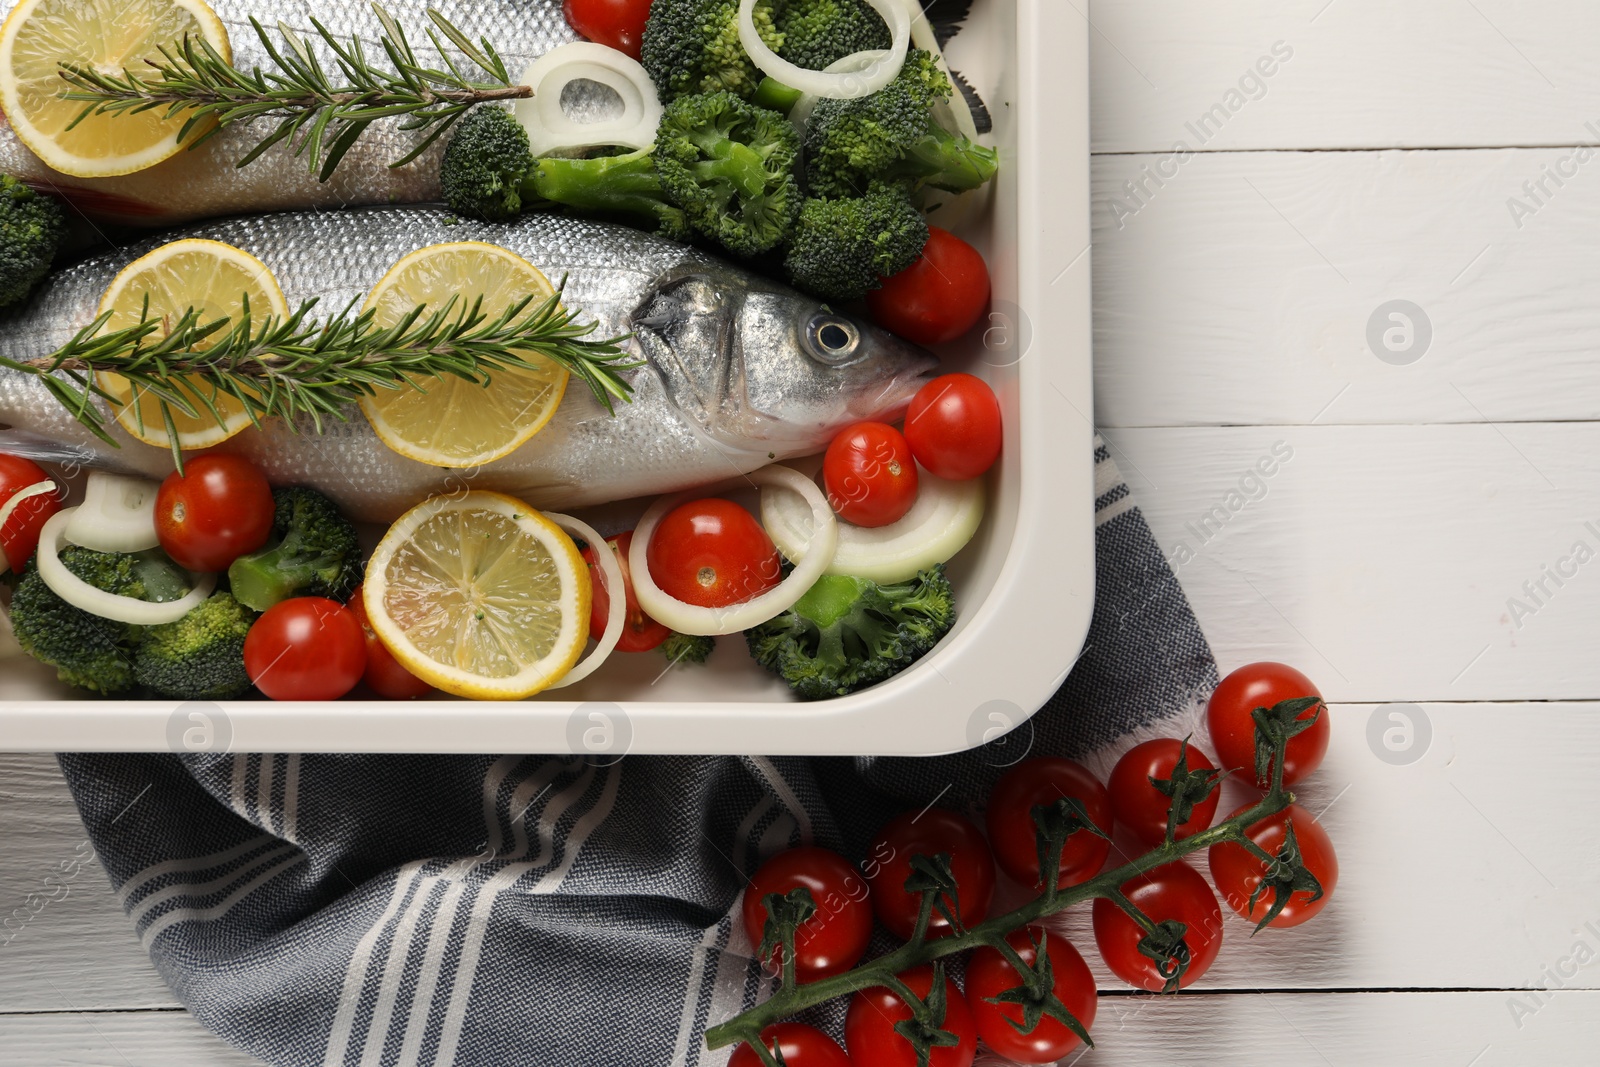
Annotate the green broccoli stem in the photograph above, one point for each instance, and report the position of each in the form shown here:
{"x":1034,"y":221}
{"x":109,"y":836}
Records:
{"x":776,"y":96}
{"x":882,"y":971}
{"x":948,"y":161}
{"x":731,"y":161}
{"x":261,"y":580}
{"x":626,"y":185}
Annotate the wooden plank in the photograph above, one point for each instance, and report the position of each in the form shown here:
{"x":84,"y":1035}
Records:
{"x":1344,"y":73}
{"x":1243,"y":290}
{"x":116,"y":1039}
{"x":64,"y":942}
{"x":1388,"y":561}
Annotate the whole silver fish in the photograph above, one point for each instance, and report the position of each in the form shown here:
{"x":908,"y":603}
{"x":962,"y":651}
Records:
{"x":739,"y":370}
{"x":205,"y":183}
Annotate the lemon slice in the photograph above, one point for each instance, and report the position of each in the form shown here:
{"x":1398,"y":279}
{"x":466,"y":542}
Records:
{"x":213,"y":278}
{"x":451,"y":422}
{"x":480,"y":596}
{"x":109,"y":36}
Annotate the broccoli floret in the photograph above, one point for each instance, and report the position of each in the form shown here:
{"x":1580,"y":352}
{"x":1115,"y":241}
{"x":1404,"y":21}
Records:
{"x":843,"y":248}
{"x":848,"y":633}
{"x":687,"y":648}
{"x":731,"y":166}
{"x":32,"y":227}
{"x":891,"y":135}
{"x":692,"y":46}
{"x":818,"y":33}
{"x":313,"y":551}
{"x":201,"y":656}
{"x":86,"y":650}
{"x":489,"y":172}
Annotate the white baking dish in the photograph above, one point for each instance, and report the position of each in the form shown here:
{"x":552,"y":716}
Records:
{"x":1025,"y":585}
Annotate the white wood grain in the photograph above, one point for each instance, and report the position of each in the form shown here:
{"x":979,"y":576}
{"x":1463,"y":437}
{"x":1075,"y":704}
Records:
{"x":1363,"y":73}
{"x":70,"y":946}
{"x":1389,"y":562}
{"x":115,"y":1039}
{"x":1241,"y":290}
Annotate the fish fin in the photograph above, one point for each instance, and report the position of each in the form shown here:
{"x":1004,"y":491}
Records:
{"x":980,"y":111}
{"x":27,"y":445}
{"x":946,"y":17}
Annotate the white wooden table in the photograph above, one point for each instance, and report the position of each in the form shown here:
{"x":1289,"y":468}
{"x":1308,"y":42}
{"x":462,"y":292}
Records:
{"x":1437,"y":464}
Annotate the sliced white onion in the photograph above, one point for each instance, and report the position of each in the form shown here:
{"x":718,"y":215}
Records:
{"x":551,"y":130}
{"x":611,"y":577}
{"x":711,"y":622}
{"x":118,"y":514}
{"x":800,"y":114}
{"x":837,"y":85}
{"x":942,"y":520}
{"x":80,"y":594}
{"x":25,"y":493}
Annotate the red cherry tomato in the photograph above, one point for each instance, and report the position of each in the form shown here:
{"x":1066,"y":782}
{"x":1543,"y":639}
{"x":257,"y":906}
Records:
{"x":384,"y":675}
{"x":939,"y":297}
{"x":953,"y":426}
{"x":1233,"y":731}
{"x":712,"y":553}
{"x":218,"y":509}
{"x":1237,"y":872}
{"x":1175,"y":891}
{"x":306,"y":648}
{"x":800,"y":1046}
{"x":869,"y":474}
{"x":989,"y":974}
{"x":1009,"y":818}
{"x":1141,"y":807}
{"x":640,"y":633}
{"x":929,"y":833}
{"x":870,"y":1035}
{"x":617,"y":24}
{"x":20,"y":534}
{"x":834,"y":939}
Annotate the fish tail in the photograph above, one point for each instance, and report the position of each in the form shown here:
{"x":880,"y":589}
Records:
{"x":70,"y":457}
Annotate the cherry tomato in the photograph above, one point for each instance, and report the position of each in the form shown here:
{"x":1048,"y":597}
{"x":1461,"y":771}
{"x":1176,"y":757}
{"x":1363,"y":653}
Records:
{"x":1237,"y":872}
{"x":1233,"y":731}
{"x":1141,"y":807}
{"x":834,"y":939}
{"x":1175,"y":891}
{"x":712,"y":553}
{"x":306,"y":648}
{"x":953,"y":426}
{"x":20,"y":534}
{"x":1045,"y":780}
{"x":869,"y":474}
{"x":384,"y":675}
{"x":801,"y":1046}
{"x":617,"y":24}
{"x":939,"y":297}
{"x":929,"y":833}
{"x":218,"y":509}
{"x":640,"y":633}
{"x":989,"y":974}
{"x":870,"y":1035}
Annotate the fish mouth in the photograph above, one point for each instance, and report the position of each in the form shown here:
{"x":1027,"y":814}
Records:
{"x":889,"y":401}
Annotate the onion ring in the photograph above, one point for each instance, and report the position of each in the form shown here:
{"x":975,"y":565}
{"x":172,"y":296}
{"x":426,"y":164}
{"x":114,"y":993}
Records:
{"x":25,"y":493}
{"x":611,"y":579}
{"x":836,"y":86}
{"x":711,"y":622}
{"x":80,"y":594}
{"x":118,"y":514}
{"x":551,"y":130}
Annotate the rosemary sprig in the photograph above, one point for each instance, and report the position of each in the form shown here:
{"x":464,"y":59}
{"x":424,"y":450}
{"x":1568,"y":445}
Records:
{"x":285,"y":367}
{"x":322,"y":115}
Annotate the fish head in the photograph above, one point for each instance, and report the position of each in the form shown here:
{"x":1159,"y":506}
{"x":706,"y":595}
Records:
{"x":759,"y":366}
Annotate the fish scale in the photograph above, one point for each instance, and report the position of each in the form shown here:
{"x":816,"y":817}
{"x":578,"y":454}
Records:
{"x":204,"y":182}
{"x":730,"y":381}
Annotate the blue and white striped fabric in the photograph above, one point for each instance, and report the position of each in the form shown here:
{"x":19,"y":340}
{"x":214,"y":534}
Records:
{"x":543,"y":911}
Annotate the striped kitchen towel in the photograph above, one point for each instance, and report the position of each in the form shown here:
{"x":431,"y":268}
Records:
{"x":549,"y":911}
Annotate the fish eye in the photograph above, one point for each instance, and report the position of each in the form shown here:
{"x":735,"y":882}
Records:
{"x":831,"y":339}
